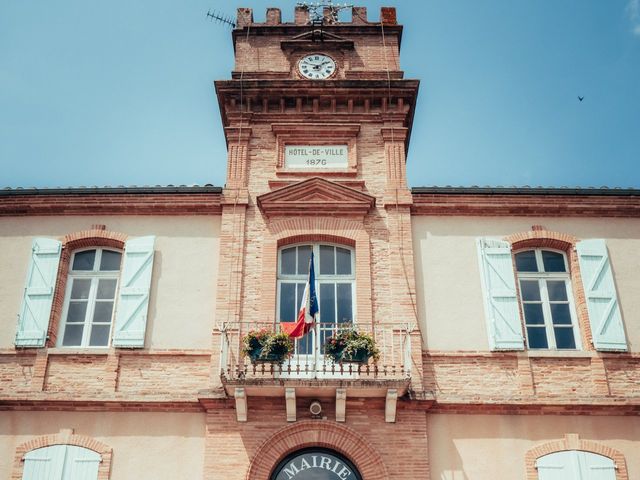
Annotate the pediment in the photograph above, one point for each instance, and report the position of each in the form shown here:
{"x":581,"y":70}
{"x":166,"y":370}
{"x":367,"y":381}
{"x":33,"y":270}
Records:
{"x":317,"y":33}
{"x":315,"y":38}
{"x":315,"y":196}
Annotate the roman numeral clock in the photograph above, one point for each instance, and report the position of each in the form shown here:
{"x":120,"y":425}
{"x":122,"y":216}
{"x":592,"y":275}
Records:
{"x":317,"y":66}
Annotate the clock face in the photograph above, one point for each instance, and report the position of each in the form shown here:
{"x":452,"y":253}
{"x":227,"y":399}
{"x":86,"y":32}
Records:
{"x":317,"y":66}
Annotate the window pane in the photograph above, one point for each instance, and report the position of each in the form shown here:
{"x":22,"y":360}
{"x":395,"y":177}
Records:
{"x":537,"y":337}
{"x":76,"y":311}
{"x":327,"y":260}
{"x":560,"y":314}
{"x":327,"y":303}
{"x":110,"y":261}
{"x":287,"y":302}
{"x":530,"y":290}
{"x":553,"y":262}
{"x":107,"y":288}
{"x":343,"y":261}
{"x":288,"y":261}
{"x":304,"y":254}
{"x":345,"y":313}
{"x":73,"y":335}
{"x":533,"y":314}
{"x":84,"y":260}
{"x":102,"y":312}
{"x":80,"y":288}
{"x":557,"y":290}
{"x":564,"y":338}
{"x":526,"y":261}
{"x":100,"y":336}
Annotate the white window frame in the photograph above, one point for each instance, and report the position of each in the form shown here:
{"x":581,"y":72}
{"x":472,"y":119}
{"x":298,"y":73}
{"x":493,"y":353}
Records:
{"x":94,"y":275}
{"x":320,"y":279}
{"x":541,"y":278}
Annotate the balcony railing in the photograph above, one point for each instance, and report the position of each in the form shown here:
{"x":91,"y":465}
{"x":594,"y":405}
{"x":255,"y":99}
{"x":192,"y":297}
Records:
{"x":309,"y":362}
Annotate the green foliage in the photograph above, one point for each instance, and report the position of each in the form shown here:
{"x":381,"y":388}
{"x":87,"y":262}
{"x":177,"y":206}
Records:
{"x":264,"y":345}
{"x":349,"y":345}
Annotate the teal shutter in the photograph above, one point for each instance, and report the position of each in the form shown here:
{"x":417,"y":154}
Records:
{"x":596,"y":467}
{"x":500,"y":299}
{"x":44,"y":463}
{"x":558,"y":466}
{"x":133,"y":299}
{"x":600,"y":292}
{"x":33,"y":319}
{"x":81,"y":464}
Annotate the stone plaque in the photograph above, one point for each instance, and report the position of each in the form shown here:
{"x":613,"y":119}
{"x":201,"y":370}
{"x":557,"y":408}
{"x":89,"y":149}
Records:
{"x":316,"y":157}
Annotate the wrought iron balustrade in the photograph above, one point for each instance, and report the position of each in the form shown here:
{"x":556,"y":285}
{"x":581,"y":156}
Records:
{"x":309,"y":361}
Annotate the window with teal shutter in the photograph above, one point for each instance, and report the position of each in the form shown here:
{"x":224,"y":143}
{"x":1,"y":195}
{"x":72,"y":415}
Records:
{"x":61,"y":462}
{"x":33,"y":319}
{"x":575,"y":465}
{"x":500,"y":298}
{"x":133,"y":298}
{"x":605,"y":318}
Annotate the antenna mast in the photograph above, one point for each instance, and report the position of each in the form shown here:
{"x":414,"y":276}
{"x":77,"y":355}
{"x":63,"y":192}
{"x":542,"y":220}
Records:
{"x":221,"y":18}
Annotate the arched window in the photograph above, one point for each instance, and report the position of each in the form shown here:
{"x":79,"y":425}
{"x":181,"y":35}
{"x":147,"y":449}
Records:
{"x":61,"y":462}
{"x":546,"y":300}
{"x":335,"y":286}
{"x":575,"y":465}
{"x":90,"y":297}
{"x":315,"y":464}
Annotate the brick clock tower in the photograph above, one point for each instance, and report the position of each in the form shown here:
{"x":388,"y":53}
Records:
{"x":317,"y":117}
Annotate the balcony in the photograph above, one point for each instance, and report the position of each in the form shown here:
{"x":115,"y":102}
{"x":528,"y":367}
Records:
{"x":309,"y":373}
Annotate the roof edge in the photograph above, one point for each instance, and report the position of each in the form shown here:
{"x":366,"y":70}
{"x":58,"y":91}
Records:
{"x":182,"y":189}
{"x":526,"y":191}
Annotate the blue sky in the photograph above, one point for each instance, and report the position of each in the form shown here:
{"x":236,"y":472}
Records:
{"x":121,"y":93}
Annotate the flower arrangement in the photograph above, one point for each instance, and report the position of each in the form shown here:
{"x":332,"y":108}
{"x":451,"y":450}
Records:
{"x":349,"y":345}
{"x":266,"y":346}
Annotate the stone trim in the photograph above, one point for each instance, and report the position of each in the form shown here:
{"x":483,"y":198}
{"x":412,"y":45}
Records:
{"x":312,"y":433}
{"x":98,"y":236}
{"x":64,"y":437}
{"x":572,"y":441}
{"x":539,"y":237}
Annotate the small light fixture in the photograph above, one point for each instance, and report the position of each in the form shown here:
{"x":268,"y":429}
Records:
{"x":315,"y":408}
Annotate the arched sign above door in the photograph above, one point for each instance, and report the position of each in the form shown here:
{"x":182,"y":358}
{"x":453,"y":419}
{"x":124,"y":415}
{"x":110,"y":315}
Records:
{"x":315,"y":464}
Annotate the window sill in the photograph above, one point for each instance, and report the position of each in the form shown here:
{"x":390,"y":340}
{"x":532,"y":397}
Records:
{"x":561,"y":353}
{"x":80,"y":351}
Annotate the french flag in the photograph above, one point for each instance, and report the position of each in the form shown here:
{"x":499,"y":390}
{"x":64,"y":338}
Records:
{"x":308,"y":308}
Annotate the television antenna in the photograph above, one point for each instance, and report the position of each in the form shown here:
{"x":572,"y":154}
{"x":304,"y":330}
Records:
{"x":221,"y":18}
{"x":317,"y":11}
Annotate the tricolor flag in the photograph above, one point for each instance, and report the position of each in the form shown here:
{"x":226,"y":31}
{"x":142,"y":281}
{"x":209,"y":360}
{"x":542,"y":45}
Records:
{"x":308,"y":308}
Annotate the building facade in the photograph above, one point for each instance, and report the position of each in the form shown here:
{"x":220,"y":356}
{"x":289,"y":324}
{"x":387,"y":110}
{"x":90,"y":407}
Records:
{"x":505,"y":320}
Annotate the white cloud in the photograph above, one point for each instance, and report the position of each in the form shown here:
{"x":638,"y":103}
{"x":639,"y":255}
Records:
{"x":633,"y":7}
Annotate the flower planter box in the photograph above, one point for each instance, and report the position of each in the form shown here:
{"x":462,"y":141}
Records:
{"x":359,"y":356}
{"x":255,"y":357}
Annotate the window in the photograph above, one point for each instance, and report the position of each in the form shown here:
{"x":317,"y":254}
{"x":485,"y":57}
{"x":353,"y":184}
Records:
{"x":545,"y":296}
{"x":575,"y":465}
{"x":335,"y":287}
{"x":90,"y":298}
{"x":61,"y":462}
